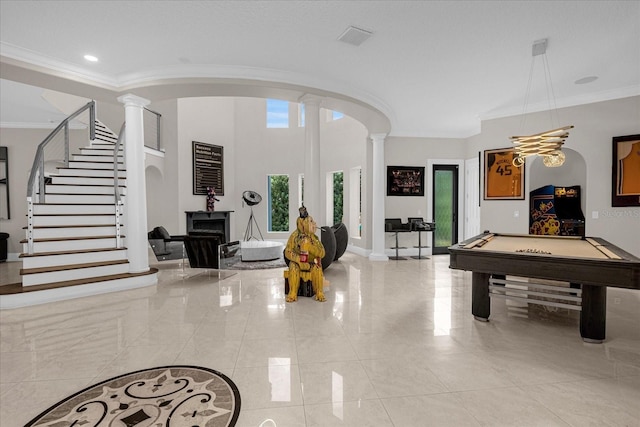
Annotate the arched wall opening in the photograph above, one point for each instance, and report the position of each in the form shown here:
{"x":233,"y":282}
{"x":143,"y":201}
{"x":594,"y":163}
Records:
{"x":572,"y":172}
{"x":253,"y":152}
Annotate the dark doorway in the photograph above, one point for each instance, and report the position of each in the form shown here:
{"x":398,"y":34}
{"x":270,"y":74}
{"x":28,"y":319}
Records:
{"x":445,"y":207}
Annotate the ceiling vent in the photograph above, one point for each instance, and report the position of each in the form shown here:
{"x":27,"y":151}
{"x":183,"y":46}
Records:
{"x":539,"y":47}
{"x":355,"y":36}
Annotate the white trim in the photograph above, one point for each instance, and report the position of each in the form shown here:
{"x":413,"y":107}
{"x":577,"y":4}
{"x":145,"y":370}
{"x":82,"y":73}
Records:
{"x":154,"y":152}
{"x":33,"y":60}
{"x":472,"y":211}
{"x":26,"y":299}
{"x":605,"y":95}
{"x":13,"y":256}
{"x":39,"y":61}
{"x":361,"y":251}
{"x":355,"y":214}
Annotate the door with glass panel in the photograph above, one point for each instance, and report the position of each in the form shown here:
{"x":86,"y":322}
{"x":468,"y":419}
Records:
{"x":445,"y":207}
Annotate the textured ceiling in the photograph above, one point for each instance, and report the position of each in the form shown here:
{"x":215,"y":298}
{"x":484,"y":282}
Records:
{"x":433,"y":68}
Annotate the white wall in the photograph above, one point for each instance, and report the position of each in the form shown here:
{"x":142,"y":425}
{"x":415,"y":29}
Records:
{"x":251,"y":152}
{"x":595,"y":126}
{"x":22,"y":145}
{"x":162,"y":174}
{"x":342,"y":148}
{"x":417,"y":152}
{"x":211,"y":121}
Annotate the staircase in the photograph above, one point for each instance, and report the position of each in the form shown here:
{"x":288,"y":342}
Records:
{"x":76,"y":246}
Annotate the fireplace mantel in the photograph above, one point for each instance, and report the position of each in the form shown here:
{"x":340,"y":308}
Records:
{"x":204,"y":221}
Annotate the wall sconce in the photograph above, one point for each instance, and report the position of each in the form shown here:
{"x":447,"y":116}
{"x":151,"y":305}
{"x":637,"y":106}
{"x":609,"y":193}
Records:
{"x":548,"y":143}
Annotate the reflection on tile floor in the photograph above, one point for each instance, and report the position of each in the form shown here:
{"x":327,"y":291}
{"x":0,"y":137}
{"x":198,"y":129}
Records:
{"x":394,"y":345}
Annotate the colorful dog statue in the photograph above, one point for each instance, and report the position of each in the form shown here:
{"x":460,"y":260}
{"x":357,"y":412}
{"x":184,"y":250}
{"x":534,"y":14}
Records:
{"x":305,"y":252}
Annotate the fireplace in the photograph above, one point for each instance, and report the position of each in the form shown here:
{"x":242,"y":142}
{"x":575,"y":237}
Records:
{"x":216,"y":222}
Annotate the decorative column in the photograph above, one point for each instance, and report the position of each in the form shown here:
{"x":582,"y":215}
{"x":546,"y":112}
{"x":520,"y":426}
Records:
{"x":377,"y":199}
{"x":312,"y":179}
{"x":136,"y":198}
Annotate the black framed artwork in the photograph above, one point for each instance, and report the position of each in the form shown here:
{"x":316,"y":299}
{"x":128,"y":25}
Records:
{"x":625,"y":180}
{"x":405,"y":181}
{"x":208,"y":168}
{"x":502,"y":179}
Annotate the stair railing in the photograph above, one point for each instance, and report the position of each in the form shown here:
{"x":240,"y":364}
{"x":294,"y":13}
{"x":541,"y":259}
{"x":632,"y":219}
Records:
{"x":36,"y":183}
{"x":116,"y":188}
{"x":152,"y":137}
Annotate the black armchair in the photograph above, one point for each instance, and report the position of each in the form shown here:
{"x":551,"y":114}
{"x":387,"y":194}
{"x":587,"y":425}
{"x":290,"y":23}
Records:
{"x":342,"y":239}
{"x":165,"y":246}
{"x":202,"y":249}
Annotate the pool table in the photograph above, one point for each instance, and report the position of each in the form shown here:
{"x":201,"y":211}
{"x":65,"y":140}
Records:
{"x":590,"y":264}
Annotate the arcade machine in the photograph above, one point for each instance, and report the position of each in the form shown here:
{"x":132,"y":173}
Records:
{"x":556,"y":211}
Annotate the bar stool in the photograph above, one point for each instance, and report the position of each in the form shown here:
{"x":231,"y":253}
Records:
{"x":394,"y":225}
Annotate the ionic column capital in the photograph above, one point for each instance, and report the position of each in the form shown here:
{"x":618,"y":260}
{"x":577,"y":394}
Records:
{"x":131,"y":100}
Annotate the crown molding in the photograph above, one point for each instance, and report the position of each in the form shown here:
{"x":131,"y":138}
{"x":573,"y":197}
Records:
{"x":32,"y":60}
{"x":572,"y":101}
{"x":37,"y":62}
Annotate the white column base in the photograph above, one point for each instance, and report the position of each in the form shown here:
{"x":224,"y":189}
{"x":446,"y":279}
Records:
{"x":378,"y":257}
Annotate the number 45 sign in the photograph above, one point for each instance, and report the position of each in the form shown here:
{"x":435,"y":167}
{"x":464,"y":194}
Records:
{"x":502,"y":179}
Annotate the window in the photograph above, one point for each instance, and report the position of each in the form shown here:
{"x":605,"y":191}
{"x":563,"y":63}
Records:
{"x":338,"y":196}
{"x":301,"y":115}
{"x":331,"y":115}
{"x":277,"y":113}
{"x":278,"y":192}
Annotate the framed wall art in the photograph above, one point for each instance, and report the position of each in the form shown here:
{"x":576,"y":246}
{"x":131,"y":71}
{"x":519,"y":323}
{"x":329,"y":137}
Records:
{"x":208,"y":170}
{"x":502,"y":179}
{"x":405,"y":181}
{"x":625,"y":181}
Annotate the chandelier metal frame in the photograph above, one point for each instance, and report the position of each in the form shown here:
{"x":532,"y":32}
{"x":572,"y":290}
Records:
{"x":547,"y":143}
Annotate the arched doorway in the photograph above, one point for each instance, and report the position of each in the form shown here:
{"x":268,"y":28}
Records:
{"x":572,"y":173}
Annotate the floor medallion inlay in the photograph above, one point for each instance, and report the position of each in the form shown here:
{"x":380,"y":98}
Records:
{"x":168,"y":395}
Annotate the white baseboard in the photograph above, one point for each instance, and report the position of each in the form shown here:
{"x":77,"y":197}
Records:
{"x":358,"y":250}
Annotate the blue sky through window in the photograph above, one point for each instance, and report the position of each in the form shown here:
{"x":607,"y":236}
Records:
{"x":277,"y":113}
{"x":336,"y":115}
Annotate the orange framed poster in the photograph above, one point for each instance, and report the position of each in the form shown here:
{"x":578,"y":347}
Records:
{"x":625,"y":181}
{"x":502,"y":179}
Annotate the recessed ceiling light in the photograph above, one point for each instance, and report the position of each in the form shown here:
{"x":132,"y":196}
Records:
{"x":91,"y":58}
{"x":586,"y":80}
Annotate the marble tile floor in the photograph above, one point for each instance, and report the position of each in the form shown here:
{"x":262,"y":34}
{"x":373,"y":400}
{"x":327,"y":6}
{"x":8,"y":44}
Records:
{"x":395,"y":344}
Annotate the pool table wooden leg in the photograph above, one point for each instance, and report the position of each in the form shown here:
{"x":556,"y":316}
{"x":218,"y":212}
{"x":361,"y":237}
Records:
{"x":594,"y":313}
{"x":480,"y":302}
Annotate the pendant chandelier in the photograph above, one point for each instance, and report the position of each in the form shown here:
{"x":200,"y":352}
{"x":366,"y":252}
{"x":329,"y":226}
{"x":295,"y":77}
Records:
{"x":547,"y":144}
